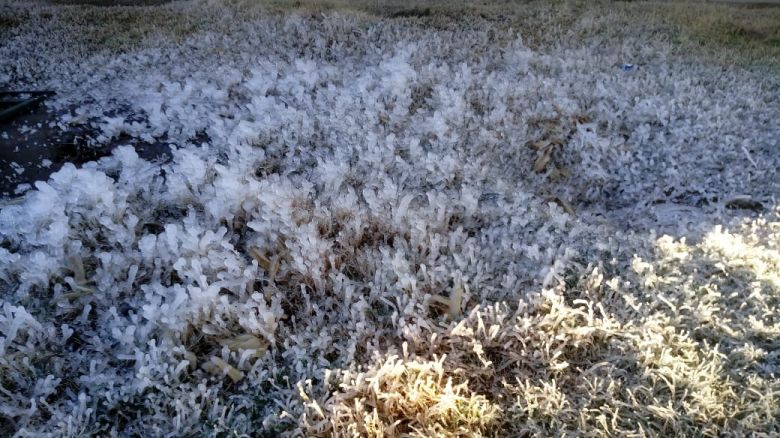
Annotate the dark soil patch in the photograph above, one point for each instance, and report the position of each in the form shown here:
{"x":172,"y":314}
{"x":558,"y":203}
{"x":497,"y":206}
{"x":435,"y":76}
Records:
{"x":33,"y":146}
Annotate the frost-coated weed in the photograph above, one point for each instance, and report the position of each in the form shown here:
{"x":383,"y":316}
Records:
{"x":375,"y":226}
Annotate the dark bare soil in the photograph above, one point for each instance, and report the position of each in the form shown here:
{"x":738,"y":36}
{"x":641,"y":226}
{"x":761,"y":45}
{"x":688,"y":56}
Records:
{"x":33,"y":146}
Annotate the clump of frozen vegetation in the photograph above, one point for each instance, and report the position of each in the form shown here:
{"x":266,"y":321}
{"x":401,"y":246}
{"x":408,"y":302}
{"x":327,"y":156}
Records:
{"x":375,"y":227}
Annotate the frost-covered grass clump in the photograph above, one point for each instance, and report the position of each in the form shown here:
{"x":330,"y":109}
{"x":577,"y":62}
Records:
{"x":376,"y":226}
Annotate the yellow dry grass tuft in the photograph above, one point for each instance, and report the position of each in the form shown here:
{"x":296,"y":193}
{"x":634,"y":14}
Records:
{"x":403,"y":397}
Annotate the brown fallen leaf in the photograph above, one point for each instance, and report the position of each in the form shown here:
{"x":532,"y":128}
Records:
{"x":244,"y":342}
{"x":582,"y":119}
{"x":537,"y":145}
{"x":544,"y":151}
{"x":452,"y":303}
{"x":262,"y":260}
{"x":542,"y":158}
{"x":219,"y":367}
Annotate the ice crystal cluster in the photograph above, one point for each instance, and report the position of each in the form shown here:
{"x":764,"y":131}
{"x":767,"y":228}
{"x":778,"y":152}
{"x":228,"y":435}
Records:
{"x":374,"y":226}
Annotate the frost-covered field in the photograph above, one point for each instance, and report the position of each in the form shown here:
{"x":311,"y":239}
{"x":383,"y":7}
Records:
{"x":447,"y":225}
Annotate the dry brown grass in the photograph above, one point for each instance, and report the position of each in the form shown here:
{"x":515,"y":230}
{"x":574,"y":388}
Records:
{"x":740,"y":34}
{"x":731,"y":34}
{"x":115,"y":29}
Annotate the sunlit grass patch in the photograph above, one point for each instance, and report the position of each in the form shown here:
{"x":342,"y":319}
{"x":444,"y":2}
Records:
{"x":664,"y":347}
{"x":402,"y":397}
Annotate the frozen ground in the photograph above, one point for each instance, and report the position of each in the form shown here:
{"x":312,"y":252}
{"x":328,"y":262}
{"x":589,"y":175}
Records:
{"x":439,"y":224}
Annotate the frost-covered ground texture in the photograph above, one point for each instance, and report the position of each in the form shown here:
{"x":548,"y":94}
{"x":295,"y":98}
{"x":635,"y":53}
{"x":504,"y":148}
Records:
{"x":385,"y":227}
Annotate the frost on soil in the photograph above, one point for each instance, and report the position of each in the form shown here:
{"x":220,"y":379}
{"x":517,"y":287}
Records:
{"x":374,"y":227}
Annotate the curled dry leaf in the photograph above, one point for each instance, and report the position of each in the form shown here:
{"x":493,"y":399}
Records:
{"x":544,"y":150}
{"x":262,"y":260}
{"x":453,"y":303}
{"x":245,"y":342}
{"x":219,"y":367}
{"x":542,"y":158}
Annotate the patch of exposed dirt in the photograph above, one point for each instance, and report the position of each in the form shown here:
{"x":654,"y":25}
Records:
{"x":34,"y":145}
